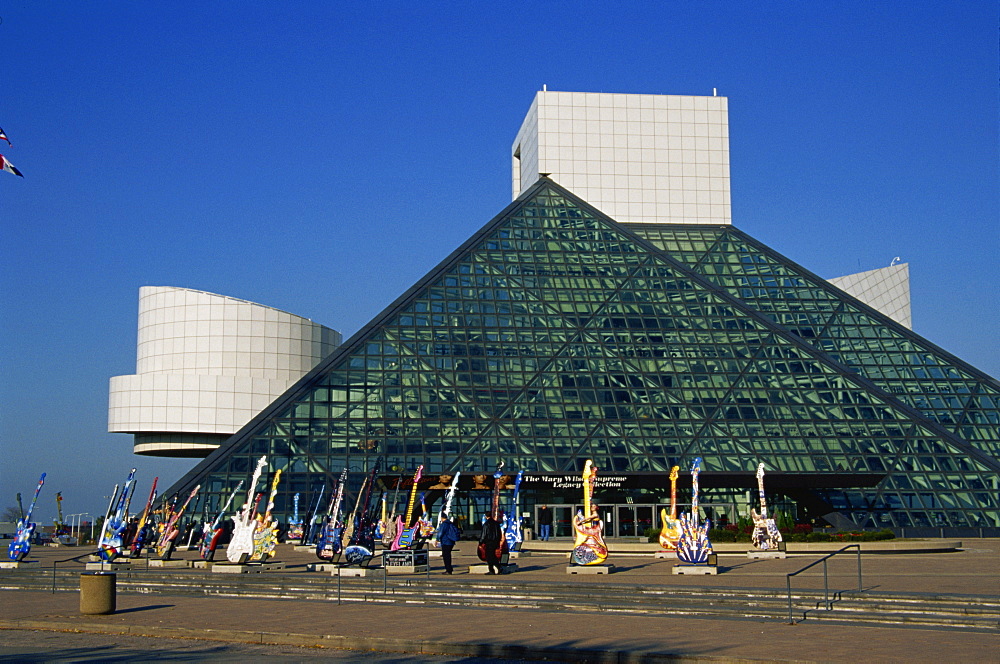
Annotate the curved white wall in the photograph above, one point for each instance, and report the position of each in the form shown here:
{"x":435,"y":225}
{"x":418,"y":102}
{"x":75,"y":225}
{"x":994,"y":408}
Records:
{"x":205,"y":365}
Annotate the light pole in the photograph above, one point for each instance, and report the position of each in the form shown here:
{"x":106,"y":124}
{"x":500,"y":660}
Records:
{"x":76,"y":528}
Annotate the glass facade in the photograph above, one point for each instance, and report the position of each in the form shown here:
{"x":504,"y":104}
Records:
{"x":556,"y":335}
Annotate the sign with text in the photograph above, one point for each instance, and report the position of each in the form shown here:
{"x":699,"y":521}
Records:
{"x":567,"y":481}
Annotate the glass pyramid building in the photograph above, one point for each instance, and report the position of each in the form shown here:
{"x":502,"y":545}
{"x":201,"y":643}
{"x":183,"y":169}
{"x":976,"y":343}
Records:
{"x":556,"y":335}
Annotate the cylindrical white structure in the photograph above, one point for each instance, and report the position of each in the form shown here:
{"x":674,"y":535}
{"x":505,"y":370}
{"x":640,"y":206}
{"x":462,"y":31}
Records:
{"x":205,"y":365}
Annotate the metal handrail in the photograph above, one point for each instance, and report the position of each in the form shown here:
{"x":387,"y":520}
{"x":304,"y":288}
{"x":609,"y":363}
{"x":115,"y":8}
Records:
{"x":65,"y":560}
{"x":826,"y":581}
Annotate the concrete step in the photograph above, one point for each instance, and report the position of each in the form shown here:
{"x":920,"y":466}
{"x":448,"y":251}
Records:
{"x":974,"y":612}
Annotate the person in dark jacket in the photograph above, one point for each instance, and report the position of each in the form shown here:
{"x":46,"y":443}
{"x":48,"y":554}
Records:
{"x":491,"y":543}
{"x":544,"y":523}
{"x":448,"y":535}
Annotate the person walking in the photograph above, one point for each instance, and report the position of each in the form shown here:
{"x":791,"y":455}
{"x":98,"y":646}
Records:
{"x":491,"y":544}
{"x":544,"y":523}
{"x":448,"y":535}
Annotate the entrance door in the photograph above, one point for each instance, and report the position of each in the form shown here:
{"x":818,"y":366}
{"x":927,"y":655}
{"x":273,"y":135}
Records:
{"x":562,"y":520}
{"x":626,"y":522}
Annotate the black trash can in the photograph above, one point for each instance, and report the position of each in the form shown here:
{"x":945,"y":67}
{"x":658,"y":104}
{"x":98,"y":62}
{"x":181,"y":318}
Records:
{"x":98,"y":593}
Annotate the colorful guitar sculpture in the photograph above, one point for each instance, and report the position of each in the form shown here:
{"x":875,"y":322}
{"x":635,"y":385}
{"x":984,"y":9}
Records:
{"x":425,"y":526}
{"x":351,"y":522}
{"x":492,"y":543}
{"x":512,"y":519}
{"x":332,"y":528}
{"x":589,"y":547}
{"x":143,"y":532}
{"x":380,"y":523}
{"x":406,"y":536}
{"x":310,"y":532}
{"x":110,"y":545}
{"x":171,"y":531}
{"x":295,"y":525}
{"x":265,"y":532}
{"x":694,"y":547}
{"x":21,"y":545}
{"x":361,"y":546}
{"x":213,"y":531}
{"x":670,"y":533}
{"x":766,"y":535}
{"x":241,"y":545}
{"x":389,"y":520}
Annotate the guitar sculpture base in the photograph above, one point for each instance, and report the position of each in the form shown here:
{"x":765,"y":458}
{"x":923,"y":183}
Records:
{"x":176,"y":564}
{"x":101,"y":566}
{"x":304,"y":547}
{"x":696,"y":569}
{"x":590,"y":569}
{"x":757,"y":554}
{"x":666,"y":554}
{"x":360,"y":571}
{"x":505,"y":568}
{"x":203,"y":564}
{"x":246,"y":568}
{"x":10,"y":564}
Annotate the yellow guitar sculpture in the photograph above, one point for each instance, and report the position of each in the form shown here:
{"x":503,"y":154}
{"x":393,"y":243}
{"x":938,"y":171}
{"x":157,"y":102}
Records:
{"x":670,"y":533}
{"x":265,"y":533}
{"x":589,"y":547}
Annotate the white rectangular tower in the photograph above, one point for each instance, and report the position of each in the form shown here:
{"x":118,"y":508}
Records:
{"x":637,"y":158}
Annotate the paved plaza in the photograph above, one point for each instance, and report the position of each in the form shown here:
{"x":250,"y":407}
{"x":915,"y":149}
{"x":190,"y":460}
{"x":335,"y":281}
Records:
{"x":423,"y":631}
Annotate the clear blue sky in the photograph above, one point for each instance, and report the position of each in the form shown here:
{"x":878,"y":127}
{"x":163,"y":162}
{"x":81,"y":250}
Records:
{"x":320,"y":158}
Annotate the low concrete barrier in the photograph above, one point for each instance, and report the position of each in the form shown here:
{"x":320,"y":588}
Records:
{"x":644,"y":548}
{"x":98,"y":593}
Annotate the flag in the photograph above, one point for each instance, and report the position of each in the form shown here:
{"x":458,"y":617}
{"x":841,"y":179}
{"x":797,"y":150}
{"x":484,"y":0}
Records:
{"x":9,"y":167}
{"x":3,"y":136}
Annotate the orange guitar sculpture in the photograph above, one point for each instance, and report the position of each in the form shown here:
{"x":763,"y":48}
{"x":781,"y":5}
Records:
{"x":670,"y":533}
{"x":589,"y":547}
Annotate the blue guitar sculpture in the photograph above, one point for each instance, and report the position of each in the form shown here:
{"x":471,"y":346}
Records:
{"x":512,"y":520}
{"x":111,"y":546}
{"x":309,"y":532}
{"x":332,"y":530}
{"x":407,"y":537}
{"x":21,"y":545}
{"x":361,"y":547}
{"x":296,"y":528}
{"x":693,"y":547}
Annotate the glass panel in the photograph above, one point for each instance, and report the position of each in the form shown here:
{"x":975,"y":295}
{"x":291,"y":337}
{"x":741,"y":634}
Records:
{"x":558,"y":335}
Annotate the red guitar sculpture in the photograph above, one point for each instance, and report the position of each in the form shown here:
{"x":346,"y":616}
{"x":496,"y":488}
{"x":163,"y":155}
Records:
{"x":492,"y":543}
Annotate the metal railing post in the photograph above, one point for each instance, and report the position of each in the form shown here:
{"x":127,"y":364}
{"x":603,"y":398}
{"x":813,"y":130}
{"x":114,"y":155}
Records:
{"x":860,"y":586}
{"x":826,"y":586}
{"x":826,"y":578}
{"x":788,"y":586}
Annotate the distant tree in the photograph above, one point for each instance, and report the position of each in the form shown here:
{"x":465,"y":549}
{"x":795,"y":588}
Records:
{"x":10,"y":514}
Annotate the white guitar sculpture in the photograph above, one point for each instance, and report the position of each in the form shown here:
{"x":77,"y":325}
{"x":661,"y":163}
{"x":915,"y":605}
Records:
{"x":241,"y":545}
